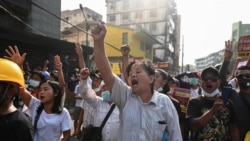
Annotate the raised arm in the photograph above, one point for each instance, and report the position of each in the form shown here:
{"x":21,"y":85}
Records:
{"x":237,"y":61}
{"x":58,"y":65}
{"x":14,"y":55}
{"x":125,"y":50}
{"x":228,"y":53}
{"x":79,"y":52}
{"x":45,"y":65}
{"x":100,"y":57}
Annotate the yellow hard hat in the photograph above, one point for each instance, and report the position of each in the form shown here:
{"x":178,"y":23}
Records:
{"x":11,"y":72}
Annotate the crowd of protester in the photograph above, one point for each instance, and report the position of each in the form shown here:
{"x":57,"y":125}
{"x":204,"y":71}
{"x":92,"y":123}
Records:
{"x":141,"y":104}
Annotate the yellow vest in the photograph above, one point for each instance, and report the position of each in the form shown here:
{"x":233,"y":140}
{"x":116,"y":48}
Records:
{"x":247,"y":137}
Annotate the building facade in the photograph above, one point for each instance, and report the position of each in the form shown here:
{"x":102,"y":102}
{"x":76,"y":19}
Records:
{"x":80,"y":19}
{"x":157,"y":18}
{"x":32,"y":16}
{"x":210,"y":60}
{"x":238,"y":29}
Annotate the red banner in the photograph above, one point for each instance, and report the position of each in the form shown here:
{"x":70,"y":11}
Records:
{"x":182,"y":95}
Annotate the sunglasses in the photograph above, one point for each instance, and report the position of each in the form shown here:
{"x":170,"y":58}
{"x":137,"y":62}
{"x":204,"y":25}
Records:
{"x":212,"y":79}
{"x":242,"y":76}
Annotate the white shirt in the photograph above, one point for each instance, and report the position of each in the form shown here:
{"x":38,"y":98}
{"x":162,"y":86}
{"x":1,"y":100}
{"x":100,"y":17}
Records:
{"x":78,"y":101}
{"x":101,"y":108}
{"x":194,"y":92}
{"x":49,"y":126}
{"x":88,"y":114}
{"x":140,"y":121}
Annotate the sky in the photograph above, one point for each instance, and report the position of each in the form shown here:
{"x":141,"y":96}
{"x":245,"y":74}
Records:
{"x":205,"y":24}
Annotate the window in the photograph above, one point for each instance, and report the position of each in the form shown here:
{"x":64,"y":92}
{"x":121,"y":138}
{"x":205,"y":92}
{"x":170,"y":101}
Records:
{"x":138,"y":15}
{"x":125,"y":16}
{"x":112,"y":6}
{"x":125,"y":4}
{"x":112,"y":18}
{"x":152,"y":27}
{"x":124,"y":38}
{"x":153,"y":13}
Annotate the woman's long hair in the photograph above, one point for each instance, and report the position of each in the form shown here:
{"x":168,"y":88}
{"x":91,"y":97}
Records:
{"x":57,"y":106}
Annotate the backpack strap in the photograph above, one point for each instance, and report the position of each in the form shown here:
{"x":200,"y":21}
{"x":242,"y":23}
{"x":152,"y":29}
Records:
{"x":107,"y":116}
{"x":38,"y":113}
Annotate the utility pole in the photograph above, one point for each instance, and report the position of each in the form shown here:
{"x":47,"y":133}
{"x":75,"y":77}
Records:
{"x":182,"y":52}
{"x":86,"y":24}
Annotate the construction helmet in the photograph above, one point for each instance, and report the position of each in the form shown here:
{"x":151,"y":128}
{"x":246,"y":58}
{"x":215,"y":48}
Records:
{"x":11,"y":72}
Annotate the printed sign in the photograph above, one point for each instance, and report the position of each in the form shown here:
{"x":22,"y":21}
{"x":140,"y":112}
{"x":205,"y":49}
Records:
{"x":244,"y":46}
{"x":182,"y":95}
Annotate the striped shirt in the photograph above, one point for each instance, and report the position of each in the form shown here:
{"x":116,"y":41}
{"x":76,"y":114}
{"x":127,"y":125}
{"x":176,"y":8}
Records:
{"x":145,"y":121}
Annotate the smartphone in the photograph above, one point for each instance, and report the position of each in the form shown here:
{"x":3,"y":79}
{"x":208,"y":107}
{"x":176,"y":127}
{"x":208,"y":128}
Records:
{"x":226,"y":93}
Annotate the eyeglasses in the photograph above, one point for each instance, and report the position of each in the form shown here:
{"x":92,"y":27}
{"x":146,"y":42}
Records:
{"x":242,"y":76}
{"x":212,"y":79}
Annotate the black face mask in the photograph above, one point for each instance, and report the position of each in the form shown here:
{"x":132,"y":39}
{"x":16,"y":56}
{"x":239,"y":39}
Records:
{"x":244,"y":83}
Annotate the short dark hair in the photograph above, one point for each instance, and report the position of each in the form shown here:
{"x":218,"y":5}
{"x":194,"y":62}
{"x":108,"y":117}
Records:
{"x":146,"y":65}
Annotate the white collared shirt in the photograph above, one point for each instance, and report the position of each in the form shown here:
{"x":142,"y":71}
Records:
{"x":140,"y":121}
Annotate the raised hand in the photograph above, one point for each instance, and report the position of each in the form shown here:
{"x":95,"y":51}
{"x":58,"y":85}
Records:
{"x":125,"y":50}
{"x":84,"y":73}
{"x":78,"y":49}
{"x":228,"y":53}
{"x":99,"y":31}
{"x":58,"y":63}
{"x":14,"y":55}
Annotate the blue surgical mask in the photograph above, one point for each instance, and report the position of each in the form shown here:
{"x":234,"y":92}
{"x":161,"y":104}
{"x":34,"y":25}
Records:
{"x":106,"y":96}
{"x":34,"y":83}
{"x":194,"y":81}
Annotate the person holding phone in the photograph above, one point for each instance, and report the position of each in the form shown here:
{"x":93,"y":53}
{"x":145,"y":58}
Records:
{"x":208,"y":115}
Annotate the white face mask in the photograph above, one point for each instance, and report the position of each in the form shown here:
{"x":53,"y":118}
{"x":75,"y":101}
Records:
{"x":212,"y":94}
{"x":34,"y":83}
{"x":100,"y":87}
{"x":159,"y":89}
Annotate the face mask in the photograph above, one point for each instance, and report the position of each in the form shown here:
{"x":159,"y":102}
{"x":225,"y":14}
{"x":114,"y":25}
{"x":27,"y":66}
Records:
{"x":99,"y":87}
{"x":34,"y":83}
{"x":194,"y":81}
{"x":212,"y":94}
{"x":159,"y":89}
{"x":106,"y":96}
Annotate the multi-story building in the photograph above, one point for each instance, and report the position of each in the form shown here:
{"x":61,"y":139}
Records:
{"x":238,"y":30}
{"x":32,"y":16}
{"x":115,"y":38}
{"x":34,"y":26}
{"x":156,"y":18}
{"x":79,"y":19}
{"x":210,"y":60}
{"x":78,"y":16}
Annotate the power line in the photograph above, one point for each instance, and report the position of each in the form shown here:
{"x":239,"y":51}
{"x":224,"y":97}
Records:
{"x":20,"y":20}
{"x":59,"y":17}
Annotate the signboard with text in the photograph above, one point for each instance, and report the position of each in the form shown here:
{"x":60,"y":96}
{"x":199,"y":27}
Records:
{"x":182,"y":95}
{"x":244,"y":46}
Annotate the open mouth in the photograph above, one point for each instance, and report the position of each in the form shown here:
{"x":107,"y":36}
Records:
{"x":41,"y":97}
{"x":209,"y":86}
{"x":134,"y":82}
